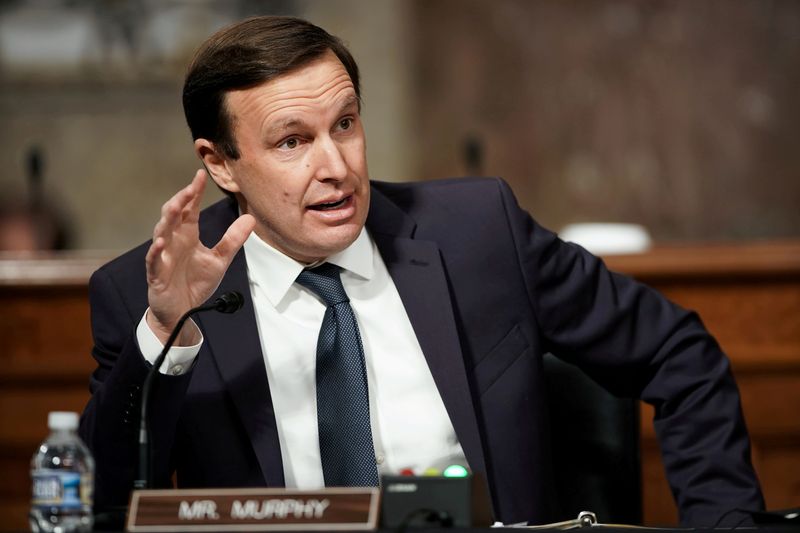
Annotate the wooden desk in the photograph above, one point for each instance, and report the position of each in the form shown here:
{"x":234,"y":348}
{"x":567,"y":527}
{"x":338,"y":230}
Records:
{"x":44,"y":362}
{"x":748,"y":296}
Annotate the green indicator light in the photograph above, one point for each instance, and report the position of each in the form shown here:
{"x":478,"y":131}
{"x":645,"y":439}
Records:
{"x":455,"y":471}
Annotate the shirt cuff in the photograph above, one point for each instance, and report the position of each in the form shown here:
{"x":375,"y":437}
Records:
{"x":179,"y":359}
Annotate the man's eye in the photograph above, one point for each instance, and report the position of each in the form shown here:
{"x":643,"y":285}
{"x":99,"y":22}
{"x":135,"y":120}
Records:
{"x":345,"y":123}
{"x":290,"y":143}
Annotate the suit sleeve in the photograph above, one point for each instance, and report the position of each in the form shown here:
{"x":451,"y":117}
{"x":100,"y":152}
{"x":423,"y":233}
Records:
{"x":636,"y":343}
{"x":110,"y":421}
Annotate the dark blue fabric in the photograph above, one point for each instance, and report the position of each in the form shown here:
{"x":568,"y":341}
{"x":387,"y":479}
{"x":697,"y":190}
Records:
{"x":488,"y":291}
{"x":345,"y":436}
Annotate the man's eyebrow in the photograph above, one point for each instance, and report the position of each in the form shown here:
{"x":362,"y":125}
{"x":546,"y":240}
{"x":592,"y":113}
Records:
{"x":296,"y":122}
{"x":287,"y":124}
{"x":349,"y":102}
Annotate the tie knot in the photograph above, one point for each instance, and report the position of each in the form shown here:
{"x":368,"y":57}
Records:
{"x":324,"y":281}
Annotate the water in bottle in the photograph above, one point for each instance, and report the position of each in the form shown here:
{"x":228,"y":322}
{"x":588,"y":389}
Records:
{"x":62,"y":471}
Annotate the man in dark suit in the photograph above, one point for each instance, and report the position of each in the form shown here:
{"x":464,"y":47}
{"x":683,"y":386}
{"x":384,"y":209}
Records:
{"x":456,"y":291}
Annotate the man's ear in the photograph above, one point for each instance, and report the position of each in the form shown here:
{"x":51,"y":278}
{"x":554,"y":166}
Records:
{"x":216,"y":165}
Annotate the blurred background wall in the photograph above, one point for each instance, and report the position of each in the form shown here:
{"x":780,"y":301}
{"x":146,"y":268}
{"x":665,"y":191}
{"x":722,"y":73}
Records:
{"x":678,"y":115}
{"x":93,"y":87}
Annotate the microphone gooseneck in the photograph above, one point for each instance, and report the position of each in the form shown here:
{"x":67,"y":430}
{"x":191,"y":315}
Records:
{"x":230,"y":302}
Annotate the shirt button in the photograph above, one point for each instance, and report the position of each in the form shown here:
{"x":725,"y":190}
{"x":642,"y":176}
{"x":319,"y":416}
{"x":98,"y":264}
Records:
{"x":176,"y":370}
{"x":380,"y":458}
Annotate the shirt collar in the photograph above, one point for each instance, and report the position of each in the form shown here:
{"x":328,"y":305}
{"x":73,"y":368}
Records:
{"x":275,"y":272}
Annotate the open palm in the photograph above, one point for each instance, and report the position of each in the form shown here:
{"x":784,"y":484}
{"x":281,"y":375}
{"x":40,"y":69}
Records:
{"x":181,"y":272}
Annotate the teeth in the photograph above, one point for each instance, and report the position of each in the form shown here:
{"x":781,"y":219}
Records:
{"x":331,"y":205}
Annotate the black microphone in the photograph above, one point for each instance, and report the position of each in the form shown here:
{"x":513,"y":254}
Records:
{"x":230,"y":302}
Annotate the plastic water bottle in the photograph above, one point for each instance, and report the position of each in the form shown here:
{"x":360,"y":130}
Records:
{"x":62,"y":471}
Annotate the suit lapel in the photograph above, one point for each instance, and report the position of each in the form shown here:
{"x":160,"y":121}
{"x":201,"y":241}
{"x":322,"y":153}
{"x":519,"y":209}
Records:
{"x":236,"y":349}
{"x":418,"y":273}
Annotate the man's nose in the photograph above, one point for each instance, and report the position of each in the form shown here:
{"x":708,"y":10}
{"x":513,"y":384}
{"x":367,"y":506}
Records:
{"x":330,"y":161}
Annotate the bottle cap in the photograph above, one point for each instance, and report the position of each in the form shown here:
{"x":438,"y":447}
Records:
{"x":62,"y":420}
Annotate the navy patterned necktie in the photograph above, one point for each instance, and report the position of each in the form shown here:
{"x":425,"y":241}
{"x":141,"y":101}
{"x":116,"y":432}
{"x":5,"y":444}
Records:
{"x":345,"y":435}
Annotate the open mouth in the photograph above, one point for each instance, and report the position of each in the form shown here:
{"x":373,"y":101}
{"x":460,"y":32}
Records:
{"x":327,"y":206}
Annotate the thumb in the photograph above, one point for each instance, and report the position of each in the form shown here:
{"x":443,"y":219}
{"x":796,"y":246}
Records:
{"x":234,"y":237}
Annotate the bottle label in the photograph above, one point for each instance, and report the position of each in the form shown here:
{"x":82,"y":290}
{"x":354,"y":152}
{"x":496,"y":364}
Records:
{"x":61,"y":488}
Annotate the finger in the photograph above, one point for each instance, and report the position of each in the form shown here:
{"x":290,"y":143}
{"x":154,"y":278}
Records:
{"x":181,"y":198}
{"x":170,"y":216}
{"x":169,"y":222}
{"x":234,"y":237}
{"x":186,"y":205}
{"x":183,"y":206}
{"x":198,"y":187}
{"x":153,"y":260}
{"x":163,"y":225}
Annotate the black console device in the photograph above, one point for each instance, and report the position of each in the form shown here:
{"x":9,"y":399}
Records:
{"x":424,"y":501}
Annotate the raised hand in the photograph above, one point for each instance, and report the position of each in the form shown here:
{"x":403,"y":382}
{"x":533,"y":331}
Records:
{"x":181,"y":272}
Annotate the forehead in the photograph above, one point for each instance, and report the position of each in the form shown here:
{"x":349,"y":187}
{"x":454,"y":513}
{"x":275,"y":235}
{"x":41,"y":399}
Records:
{"x":320,"y":84}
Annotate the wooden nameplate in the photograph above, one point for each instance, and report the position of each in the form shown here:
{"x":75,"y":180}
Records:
{"x":331,"y":509}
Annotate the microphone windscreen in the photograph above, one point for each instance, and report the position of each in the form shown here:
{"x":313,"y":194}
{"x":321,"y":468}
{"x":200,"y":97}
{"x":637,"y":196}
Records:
{"x":230,"y":302}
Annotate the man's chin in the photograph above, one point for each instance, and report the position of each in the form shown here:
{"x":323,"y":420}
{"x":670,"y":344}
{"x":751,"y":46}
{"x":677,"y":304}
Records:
{"x":328,"y":242}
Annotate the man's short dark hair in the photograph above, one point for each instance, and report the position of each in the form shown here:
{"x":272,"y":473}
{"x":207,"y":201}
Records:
{"x":244,"y":55}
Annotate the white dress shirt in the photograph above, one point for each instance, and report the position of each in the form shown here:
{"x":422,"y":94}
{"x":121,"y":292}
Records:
{"x":410,"y":426}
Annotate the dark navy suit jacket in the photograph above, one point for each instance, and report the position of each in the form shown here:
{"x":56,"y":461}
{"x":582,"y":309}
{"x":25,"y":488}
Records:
{"x":488,"y":292}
